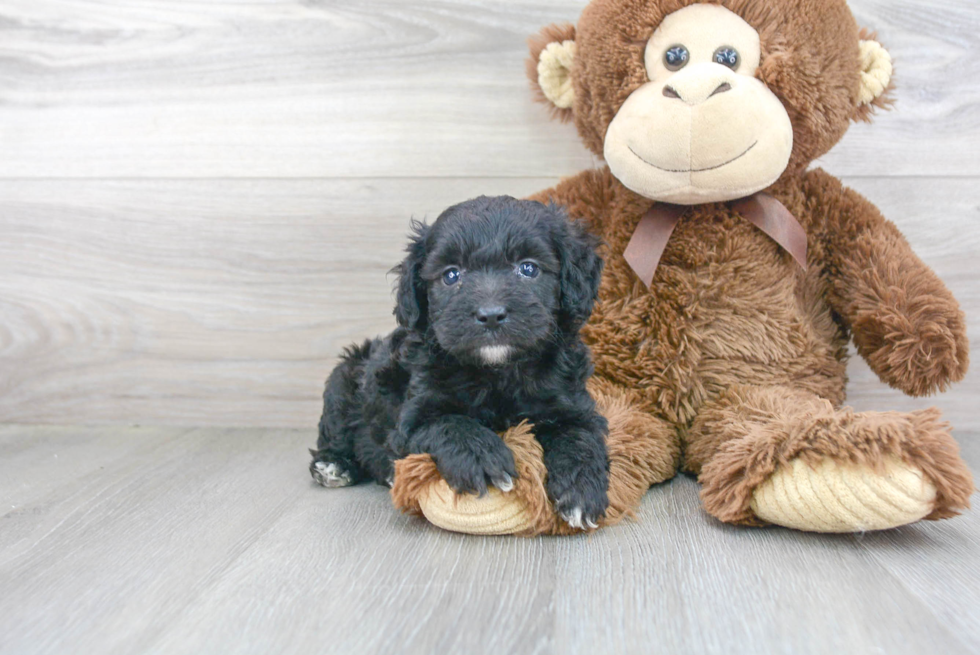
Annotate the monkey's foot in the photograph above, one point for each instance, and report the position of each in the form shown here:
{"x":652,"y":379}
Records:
{"x":833,"y":496}
{"x":495,"y":512}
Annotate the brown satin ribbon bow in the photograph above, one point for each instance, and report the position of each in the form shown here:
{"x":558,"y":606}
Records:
{"x":650,"y":238}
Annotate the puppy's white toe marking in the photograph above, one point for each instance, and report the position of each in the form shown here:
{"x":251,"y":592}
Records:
{"x":331,"y":475}
{"x":592,"y":524}
{"x":495,"y":354}
{"x":505,"y":484}
{"x":574,"y":518}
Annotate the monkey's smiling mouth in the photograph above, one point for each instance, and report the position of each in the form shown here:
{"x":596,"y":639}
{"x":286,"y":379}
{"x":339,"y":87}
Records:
{"x":692,"y":170}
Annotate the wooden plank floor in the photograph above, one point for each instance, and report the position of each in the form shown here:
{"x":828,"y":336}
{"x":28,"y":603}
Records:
{"x":173,"y":540}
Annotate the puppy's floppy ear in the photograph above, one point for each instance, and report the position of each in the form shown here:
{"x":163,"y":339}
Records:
{"x":412,"y":302}
{"x":581,"y":269}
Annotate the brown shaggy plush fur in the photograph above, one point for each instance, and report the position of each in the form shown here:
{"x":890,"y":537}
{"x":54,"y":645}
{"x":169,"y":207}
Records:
{"x":739,"y":439}
{"x":734,"y":359}
{"x":729,"y":310}
{"x":729,"y":316}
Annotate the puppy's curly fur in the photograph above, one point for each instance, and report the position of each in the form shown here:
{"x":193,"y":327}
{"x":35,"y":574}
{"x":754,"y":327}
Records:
{"x":490,"y":301}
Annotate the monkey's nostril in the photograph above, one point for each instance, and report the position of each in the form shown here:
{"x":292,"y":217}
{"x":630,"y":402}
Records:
{"x":724,"y":86}
{"x":670,"y":92}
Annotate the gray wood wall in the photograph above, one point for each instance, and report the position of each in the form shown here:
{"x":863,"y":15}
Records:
{"x":199,"y":201}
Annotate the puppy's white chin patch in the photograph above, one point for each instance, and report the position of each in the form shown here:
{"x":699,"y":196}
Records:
{"x":494,"y":354}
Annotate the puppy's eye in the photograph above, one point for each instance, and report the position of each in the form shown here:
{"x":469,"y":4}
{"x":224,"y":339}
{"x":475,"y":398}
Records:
{"x":450,"y":276}
{"x":528,"y":269}
{"x":727,"y":56}
{"x":676,"y":57}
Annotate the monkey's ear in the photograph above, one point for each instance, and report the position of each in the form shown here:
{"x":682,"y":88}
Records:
{"x":412,"y":300}
{"x":876,"y":77}
{"x":550,"y":69}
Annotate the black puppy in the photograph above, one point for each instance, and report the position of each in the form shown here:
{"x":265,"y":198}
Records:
{"x":490,"y":302}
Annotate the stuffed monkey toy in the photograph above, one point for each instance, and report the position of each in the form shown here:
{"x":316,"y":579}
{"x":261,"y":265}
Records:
{"x":735,"y":276}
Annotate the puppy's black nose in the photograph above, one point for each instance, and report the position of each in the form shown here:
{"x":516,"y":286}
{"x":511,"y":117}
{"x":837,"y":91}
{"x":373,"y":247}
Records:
{"x":491,"y":316}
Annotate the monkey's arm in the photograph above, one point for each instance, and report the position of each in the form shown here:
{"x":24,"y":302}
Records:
{"x":903,"y":319}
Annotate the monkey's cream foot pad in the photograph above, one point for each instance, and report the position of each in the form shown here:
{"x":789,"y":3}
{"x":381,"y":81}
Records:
{"x":494,"y":513}
{"x":835,"y":496}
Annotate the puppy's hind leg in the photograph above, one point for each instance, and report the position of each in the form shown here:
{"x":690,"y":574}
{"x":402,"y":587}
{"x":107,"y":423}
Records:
{"x":335,"y":462}
{"x":331,"y":474}
{"x":377,"y":461}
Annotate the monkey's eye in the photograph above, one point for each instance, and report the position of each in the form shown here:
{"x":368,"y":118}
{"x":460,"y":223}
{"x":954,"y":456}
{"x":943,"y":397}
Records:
{"x":676,"y":57}
{"x":528,"y":269}
{"x":727,"y":56}
{"x":450,"y":276}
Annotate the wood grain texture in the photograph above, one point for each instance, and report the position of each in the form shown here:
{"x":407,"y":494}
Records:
{"x":124,"y":540}
{"x":382,"y":88}
{"x":227,"y":302}
{"x":217,"y":302}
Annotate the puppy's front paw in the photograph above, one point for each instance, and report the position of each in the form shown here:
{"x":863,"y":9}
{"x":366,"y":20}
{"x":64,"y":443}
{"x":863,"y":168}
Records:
{"x":470,"y":469}
{"x":505,"y":484}
{"x":330,"y":474}
{"x":580,"y":497}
